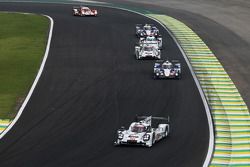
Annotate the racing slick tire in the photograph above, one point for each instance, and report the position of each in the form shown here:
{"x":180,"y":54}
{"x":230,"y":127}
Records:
{"x":167,"y":131}
{"x":137,"y":56}
{"x":179,"y":76}
{"x":152,"y":141}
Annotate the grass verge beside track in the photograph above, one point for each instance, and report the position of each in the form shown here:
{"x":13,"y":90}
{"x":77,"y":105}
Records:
{"x":23,"y":40}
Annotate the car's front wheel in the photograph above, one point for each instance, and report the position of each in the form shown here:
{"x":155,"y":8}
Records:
{"x":153,"y":139}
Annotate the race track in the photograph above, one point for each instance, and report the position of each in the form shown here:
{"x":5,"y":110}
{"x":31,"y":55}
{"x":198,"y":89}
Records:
{"x":91,"y":85}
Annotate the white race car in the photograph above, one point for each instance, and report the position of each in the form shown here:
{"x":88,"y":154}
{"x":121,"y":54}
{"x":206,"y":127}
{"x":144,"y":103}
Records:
{"x":147,"y":51}
{"x":84,"y":11}
{"x":164,"y":69}
{"x":152,"y":40}
{"x":146,"y":30}
{"x":142,"y":133}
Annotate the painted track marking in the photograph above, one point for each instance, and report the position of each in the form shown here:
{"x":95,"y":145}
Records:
{"x":8,"y":127}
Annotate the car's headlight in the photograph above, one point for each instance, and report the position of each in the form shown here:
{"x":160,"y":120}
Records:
{"x":146,"y":137}
{"x":120,"y":136}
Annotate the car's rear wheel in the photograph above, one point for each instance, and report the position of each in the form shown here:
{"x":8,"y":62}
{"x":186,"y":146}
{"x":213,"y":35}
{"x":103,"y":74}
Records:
{"x":179,"y":76}
{"x":137,"y":56}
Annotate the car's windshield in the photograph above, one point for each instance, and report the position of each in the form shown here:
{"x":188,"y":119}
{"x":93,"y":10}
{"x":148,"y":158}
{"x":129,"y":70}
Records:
{"x":167,"y":66}
{"x":138,"y":129}
{"x":148,"y":48}
{"x":150,"y":39}
{"x":85,"y":8}
{"x":147,"y":27}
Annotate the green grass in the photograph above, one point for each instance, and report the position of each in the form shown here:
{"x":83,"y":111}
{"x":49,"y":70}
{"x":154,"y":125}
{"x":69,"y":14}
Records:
{"x":23,"y":41}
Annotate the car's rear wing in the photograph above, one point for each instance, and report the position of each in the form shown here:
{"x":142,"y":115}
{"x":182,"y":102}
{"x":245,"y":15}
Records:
{"x":172,"y":61}
{"x":141,"y":25}
{"x":175,"y":61}
{"x":149,"y":43}
{"x":149,"y":118}
{"x":160,"y":61}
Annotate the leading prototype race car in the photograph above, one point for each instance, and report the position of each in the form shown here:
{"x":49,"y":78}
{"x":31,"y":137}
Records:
{"x":84,"y":11}
{"x":164,"y":69}
{"x":142,"y":133}
{"x":146,"y":30}
{"x":152,"y":40}
{"x":147,"y":51}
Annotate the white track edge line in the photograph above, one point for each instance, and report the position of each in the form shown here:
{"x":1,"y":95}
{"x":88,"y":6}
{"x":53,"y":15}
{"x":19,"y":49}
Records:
{"x":20,"y":111}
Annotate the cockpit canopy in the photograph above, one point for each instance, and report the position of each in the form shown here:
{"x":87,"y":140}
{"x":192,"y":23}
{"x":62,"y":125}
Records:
{"x":150,"y":39}
{"x":148,"y":48}
{"x":138,"y":128}
{"x":147,"y":27}
{"x":85,"y":8}
{"x":167,"y":65}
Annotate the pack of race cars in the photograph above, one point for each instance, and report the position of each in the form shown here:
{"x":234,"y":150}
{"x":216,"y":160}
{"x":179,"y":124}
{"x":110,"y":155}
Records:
{"x":149,"y":47}
{"x":145,"y":130}
{"x":141,"y":131}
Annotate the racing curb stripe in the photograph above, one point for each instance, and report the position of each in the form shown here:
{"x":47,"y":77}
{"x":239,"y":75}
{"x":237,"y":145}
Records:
{"x":229,"y":111}
{"x":4,"y":123}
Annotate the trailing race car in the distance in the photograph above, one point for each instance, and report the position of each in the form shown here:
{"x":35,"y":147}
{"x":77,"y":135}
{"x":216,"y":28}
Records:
{"x":147,"y":51}
{"x":164,"y":69}
{"x":142,"y":133}
{"x":146,"y":30}
{"x":84,"y":11}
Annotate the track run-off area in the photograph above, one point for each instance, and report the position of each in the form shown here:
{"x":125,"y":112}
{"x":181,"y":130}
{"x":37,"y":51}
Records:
{"x":92,"y":84}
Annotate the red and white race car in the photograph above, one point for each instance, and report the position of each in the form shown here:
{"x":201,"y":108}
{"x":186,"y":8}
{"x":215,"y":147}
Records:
{"x":84,"y":11}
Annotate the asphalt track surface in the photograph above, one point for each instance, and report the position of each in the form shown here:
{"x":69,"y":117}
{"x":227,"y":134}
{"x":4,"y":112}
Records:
{"x":91,"y":85}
